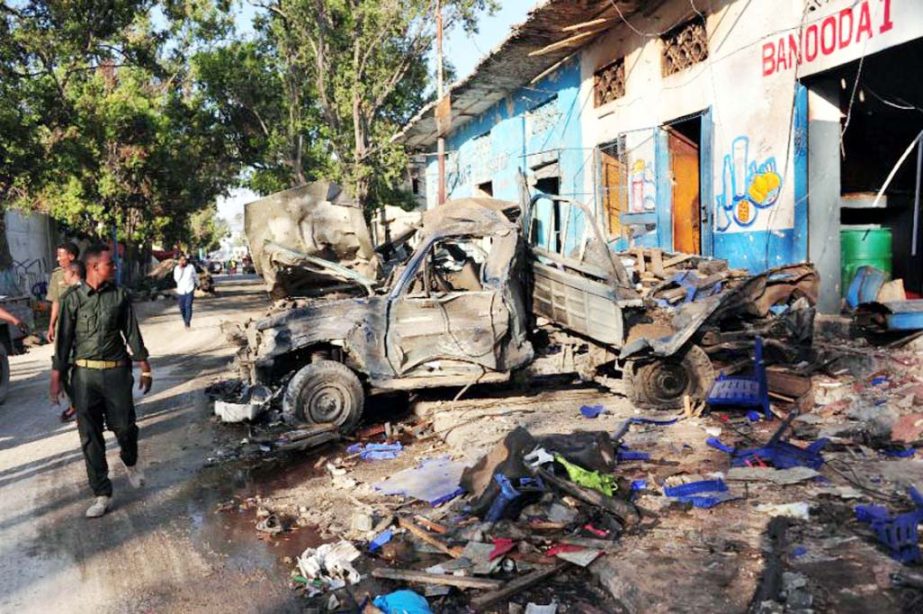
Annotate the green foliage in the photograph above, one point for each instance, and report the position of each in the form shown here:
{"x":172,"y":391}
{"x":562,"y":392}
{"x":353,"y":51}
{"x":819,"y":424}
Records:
{"x":325,"y":85}
{"x":102,"y":123}
{"x":207,"y":229}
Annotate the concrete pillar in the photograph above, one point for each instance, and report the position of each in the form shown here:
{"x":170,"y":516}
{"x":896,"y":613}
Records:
{"x":824,"y":190}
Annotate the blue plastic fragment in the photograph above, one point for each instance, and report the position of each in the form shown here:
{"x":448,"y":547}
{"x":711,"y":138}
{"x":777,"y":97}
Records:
{"x":799,"y":551}
{"x":898,"y":533}
{"x":376,"y":451}
{"x":716,"y":443}
{"x":380,"y":540}
{"x":753,"y":415}
{"x":591,"y":411}
{"x":702,"y":494}
{"x":779,"y":454}
{"x":402,"y":602}
{"x":624,"y":453}
{"x":899,"y":452}
{"x":695,"y":488}
{"x":879,"y":380}
{"x":637,"y":485}
{"x":447,"y":497}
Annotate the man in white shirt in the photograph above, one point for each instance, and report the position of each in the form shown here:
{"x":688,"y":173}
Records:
{"x":186,"y":282}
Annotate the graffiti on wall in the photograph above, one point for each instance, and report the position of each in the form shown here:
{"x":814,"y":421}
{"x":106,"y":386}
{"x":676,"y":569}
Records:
{"x":747,"y":187}
{"x":643,"y":192}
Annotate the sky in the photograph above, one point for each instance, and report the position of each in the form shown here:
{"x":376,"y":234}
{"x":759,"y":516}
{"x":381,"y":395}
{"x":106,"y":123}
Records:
{"x":464,"y":51}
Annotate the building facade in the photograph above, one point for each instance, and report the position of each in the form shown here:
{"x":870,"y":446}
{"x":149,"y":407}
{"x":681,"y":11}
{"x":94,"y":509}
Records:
{"x":757,"y":131}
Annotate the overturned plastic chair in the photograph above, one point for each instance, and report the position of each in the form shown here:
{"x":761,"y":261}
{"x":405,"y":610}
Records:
{"x":743,"y":391}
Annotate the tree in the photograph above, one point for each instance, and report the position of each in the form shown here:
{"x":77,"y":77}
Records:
{"x":104,"y":99}
{"x":207,"y":229}
{"x":326,"y":85}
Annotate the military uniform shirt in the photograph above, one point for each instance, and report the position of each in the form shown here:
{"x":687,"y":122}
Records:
{"x":56,"y":285}
{"x":97,"y":324}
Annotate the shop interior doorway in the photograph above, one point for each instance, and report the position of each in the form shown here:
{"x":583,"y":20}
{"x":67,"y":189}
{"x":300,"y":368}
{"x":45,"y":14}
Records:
{"x":881,"y":111}
{"x":684,"y":140}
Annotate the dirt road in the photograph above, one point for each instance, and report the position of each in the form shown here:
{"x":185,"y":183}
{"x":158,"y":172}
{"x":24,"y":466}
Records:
{"x":161,"y":548}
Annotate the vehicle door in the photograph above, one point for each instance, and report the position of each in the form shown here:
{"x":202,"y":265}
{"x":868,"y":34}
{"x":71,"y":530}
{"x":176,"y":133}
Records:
{"x":445,"y":315}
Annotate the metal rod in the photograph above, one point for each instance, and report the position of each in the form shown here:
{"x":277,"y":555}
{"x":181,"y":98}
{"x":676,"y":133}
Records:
{"x":916,"y":201}
{"x":896,"y":168}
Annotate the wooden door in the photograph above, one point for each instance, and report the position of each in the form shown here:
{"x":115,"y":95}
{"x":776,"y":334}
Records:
{"x":614,"y":191}
{"x":684,"y":159}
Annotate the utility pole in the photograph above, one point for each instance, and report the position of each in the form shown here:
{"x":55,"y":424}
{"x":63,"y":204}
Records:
{"x":440,"y":92}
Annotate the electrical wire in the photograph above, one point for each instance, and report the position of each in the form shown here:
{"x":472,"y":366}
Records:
{"x":901,"y":105}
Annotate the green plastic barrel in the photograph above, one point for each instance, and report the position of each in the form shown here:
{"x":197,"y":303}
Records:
{"x":863,"y":246}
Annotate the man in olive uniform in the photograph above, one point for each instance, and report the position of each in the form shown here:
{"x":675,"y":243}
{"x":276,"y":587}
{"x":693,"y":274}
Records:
{"x":96,"y":330}
{"x":66,"y":254}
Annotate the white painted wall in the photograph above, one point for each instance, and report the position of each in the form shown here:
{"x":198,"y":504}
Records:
{"x":31,"y":246}
{"x":748,"y":80}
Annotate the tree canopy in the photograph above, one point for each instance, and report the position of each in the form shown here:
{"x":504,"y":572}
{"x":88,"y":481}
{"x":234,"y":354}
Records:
{"x":136,"y":114}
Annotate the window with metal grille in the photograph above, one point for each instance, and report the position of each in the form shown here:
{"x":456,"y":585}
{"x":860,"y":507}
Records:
{"x":684,"y":45}
{"x":609,"y":83}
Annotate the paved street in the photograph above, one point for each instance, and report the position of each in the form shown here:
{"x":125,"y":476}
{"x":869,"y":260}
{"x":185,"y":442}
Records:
{"x":161,"y":548}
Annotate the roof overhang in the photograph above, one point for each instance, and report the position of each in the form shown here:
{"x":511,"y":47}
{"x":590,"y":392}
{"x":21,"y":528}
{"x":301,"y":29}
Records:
{"x":553,"y":31}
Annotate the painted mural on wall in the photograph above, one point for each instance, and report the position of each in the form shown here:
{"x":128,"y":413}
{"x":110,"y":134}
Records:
{"x":642,"y":196}
{"x":749,"y":188}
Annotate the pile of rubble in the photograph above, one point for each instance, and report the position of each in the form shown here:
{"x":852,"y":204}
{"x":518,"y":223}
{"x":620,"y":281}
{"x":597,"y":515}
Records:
{"x":523,"y":510}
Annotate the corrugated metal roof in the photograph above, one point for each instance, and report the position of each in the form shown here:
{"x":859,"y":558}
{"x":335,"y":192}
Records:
{"x":509,"y":66}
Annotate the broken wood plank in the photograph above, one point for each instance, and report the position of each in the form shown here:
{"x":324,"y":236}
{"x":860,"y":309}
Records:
{"x":422,"y":535}
{"x":657,"y":262}
{"x":639,"y":259}
{"x":588,"y":24}
{"x":422,"y":577}
{"x":623,"y":510}
{"x":675,"y":260}
{"x":567,"y":42}
{"x":429,"y":525}
{"x":517,"y":586}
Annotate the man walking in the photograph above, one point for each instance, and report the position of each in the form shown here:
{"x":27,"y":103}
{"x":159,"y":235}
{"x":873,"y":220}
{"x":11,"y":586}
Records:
{"x":96,"y":329}
{"x":186,"y":282}
{"x":66,"y":254}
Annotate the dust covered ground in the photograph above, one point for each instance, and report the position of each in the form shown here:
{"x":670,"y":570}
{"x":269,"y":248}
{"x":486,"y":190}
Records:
{"x":189,"y":541}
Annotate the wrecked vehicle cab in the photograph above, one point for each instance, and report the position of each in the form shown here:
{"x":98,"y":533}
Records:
{"x":483,"y":296}
{"x":665,"y":321}
{"x":452,"y":316}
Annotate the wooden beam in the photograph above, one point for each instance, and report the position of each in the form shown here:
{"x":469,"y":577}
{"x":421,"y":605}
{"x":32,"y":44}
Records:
{"x":419,"y":533}
{"x":567,"y":42}
{"x":516,"y":586}
{"x":421,"y":577}
{"x":588,"y":24}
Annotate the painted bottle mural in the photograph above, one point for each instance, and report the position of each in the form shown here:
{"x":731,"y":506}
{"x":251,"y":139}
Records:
{"x":747,"y":187}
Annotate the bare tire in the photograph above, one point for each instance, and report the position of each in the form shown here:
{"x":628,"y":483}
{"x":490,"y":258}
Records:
{"x":324,"y":392}
{"x":662,"y":383}
{"x":4,"y":374}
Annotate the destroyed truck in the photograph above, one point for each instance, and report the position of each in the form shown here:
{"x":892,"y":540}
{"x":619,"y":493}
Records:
{"x":483,"y":297}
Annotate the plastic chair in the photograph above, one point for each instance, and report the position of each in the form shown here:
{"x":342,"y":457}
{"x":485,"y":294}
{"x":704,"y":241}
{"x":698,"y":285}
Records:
{"x":898,"y":533}
{"x":743,"y":391}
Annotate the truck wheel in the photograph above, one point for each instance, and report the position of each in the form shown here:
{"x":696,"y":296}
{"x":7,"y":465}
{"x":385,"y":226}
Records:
{"x":662,"y":383}
{"x":4,"y":374}
{"x":324,"y":392}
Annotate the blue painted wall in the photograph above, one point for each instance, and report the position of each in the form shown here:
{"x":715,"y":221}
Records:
{"x":536,"y":124}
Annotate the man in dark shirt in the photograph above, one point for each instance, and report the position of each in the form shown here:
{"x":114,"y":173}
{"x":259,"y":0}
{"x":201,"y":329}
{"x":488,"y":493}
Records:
{"x":96,"y":329}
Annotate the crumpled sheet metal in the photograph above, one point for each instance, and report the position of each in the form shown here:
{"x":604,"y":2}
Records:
{"x":316,"y":219}
{"x":753,"y":297}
